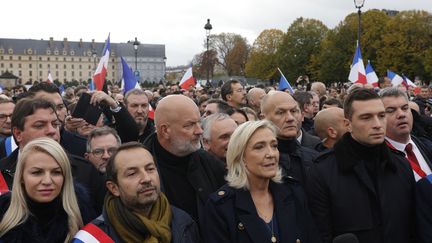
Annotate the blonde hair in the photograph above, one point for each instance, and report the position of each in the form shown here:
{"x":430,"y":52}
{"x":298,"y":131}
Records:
{"x":18,"y":211}
{"x":237,"y":172}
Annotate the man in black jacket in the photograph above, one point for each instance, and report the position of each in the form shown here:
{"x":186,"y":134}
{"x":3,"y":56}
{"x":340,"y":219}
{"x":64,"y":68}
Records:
{"x":34,"y":118}
{"x":398,"y":133}
{"x":137,"y":104}
{"x":281,"y":109}
{"x":188,"y":173}
{"x":361,"y":186}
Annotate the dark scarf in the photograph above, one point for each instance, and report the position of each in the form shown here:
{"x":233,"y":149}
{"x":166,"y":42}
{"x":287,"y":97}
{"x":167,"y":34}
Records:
{"x":134,"y":227}
{"x":288,"y":146}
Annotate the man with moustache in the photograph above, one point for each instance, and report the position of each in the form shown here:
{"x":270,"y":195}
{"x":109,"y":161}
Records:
{"x":361,"y":186}
{"x":135,"y":209}
{"x":188,"y":173}
{"x":137,"y":104}
{"x":281,"y":109}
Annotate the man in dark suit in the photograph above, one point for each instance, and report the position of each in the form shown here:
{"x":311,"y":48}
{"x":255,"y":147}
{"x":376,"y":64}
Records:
{"x":398,"y":132}
{"x":361,"y":186}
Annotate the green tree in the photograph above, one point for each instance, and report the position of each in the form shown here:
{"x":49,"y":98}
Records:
{"x":302,"y":40}
{"x":262,"y":61}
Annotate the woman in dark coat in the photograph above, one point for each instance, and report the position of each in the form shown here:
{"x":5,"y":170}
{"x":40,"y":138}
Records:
{"x":255,"y":206}
{"x":42,"y":206}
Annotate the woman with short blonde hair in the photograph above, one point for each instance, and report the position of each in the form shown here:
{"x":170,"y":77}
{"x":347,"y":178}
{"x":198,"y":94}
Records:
{"x":42,"y":204}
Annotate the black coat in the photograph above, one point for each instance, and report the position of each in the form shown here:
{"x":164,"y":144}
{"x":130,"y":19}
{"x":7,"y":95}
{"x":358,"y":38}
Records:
{"x":343,"y":198}
{"x":231,"y":216}
{"x":309,"y":140}
{"x":424,"y":209}
{"x":183,"y":228}
{"x":55,"y":230}
{"x":82,"y":171}
{"x":205,"y":174}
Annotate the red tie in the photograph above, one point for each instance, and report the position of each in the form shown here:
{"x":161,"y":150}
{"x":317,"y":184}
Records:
{"x":413,"y":161}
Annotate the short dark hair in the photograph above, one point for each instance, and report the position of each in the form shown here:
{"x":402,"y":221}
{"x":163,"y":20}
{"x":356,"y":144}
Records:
{"x":46,"y":87}
{"x":27,"y":107}
{"x":102,"y":131}
{"x":359,"y":94}
{"x":333,"y":101}
{"x":226,"y":88}
{"x":222,"y":106}
{"x":303,"y":98}
{"x":111,"y":170}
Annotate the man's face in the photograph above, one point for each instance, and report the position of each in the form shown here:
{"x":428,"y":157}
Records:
{"x":42,"y":123}
{"x":102,"y":147}
{"x":286,"y":115}
{"x":138,"y":107}
{"x":399,"y":118}
{"x":185,"y":132}
{"x":220,"y":135}
{"x":6,"y":110}
{"x":315,"y":104}
{"x":138,"y":184}
{"x":238,"y":95}
{"x":333,"y":93}
{"x":424,"y":93}
{"x":210,"y":109}
{"x":368,"y":122}
{"x":309,"y":109}
{"x":57,"y":100}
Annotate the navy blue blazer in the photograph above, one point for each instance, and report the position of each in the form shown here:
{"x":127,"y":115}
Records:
{"x":231,"y":216}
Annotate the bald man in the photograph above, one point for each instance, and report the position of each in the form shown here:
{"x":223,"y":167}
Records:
{"x":254,"y":97}
{"x":329,"y":126}
{"x":188,"y":173}
{"x":281,"y":109}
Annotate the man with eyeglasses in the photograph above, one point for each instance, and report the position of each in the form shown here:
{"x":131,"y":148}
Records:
{"x":102,"y":142}
{"x":233,"y":93}
{"x":6,"y":109}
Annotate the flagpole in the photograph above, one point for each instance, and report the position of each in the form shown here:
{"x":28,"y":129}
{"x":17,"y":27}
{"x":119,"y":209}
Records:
{"x":282,"y":74}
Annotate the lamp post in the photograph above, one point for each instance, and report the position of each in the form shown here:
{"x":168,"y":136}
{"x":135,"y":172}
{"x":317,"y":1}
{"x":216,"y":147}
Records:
{"x":359,"y":4}
{"x":208,"y":27}
{"x":135,"y":44}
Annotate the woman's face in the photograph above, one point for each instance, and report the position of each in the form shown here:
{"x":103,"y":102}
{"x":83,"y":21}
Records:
{"x":261,"y":156}
{"x":42,"y":177}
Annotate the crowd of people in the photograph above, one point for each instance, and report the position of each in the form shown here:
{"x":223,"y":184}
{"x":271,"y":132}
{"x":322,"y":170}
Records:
{"x":216,"y":164}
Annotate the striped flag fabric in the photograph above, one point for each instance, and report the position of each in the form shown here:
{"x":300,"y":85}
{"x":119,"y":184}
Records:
{"x":50,"y":79}
{"x":395,"y":78}
{"x":357,"y":73}
{"x":407,"y":82}
{"x":371,"y":76}
{"x":101,"y":70}
{"x":91,"y":234}
{"x":188,"y":80}
{"x":129,"y":79}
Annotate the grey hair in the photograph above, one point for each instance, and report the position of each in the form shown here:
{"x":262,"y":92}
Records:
{"x":392,"y":92}
{"x":101,"y":131}
{"x":135,"y":91}
{"x":207,"y":123}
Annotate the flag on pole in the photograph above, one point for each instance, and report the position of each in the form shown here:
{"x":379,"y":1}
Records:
{"x":371,"y":76}
{"x":101,"y":70}
{"x":92,"y":85}
{"x":129,"y":79}
{"x":50,"y":79}
{"x":395,"y":78}
{"x":151,"y":112}
{"x":188,"y":79}
{"x":284,"y":84}
{"x":357,"y":73}
{"x":407,"y":82}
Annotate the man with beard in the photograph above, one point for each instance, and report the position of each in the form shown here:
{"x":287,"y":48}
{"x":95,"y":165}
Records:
{"x":188,"y":173}
{"x":135,"y":209}
{"x":137,"y":103}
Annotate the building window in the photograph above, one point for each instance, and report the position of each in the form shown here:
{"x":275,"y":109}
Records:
{"x":29,"y":51}
{"x":72,"y":53}
{"x":1,"y":51}
{"x":10,"y":51}
{"x":64,"y":73}
{"x":19,"y":65}
{"x":73,"y":59}
{"x":73,"y":73}
{"x":48,"y":59}
{"x":64,"y":59}
{"x":30,"y":58}
{"x":40,"y":58}
{"x":113,"y":74}
{"x":113,"y":60}
{"x":80,"y":66}
{"x":73,"y":66}
{"x":30,"y":73}
{"x":40,"y":73}
{"x":64,"y":66}
{"x":10,"y":65}
{"x":2,"y":65}
{"x":40,"y":65}
{"x":10,"y":57}
{"x":56,"y":66}
{"x":1,"y":57}
{"x":19,"y":58}
{"x":113,"y":67}
{"x":90,"y":74}
{"x":80,"y":74}
{"x":30,"y":65}
{"x":64,"y":53}
{"x":20,"y":73}
{"x":89,"y":66}
{"x":49,"y":65}
{"x":57,"y":73}
{"x":56,"y":52}
{"x":89,"y":59}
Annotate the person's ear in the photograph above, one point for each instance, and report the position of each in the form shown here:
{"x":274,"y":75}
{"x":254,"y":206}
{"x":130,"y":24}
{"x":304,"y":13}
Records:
{"x":113,"y":188}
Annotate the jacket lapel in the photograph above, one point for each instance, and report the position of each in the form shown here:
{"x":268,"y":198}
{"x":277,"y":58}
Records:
{"x":284,"y":205}
{"x":360,"y":171}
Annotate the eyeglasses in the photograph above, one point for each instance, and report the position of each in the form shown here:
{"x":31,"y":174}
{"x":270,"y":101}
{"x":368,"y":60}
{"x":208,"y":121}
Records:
{"x":4,"y":117}
{"x":100,"y":151}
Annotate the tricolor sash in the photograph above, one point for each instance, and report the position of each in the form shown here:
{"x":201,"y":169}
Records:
{"x":3,"y":185}
{"x":91,"y":234}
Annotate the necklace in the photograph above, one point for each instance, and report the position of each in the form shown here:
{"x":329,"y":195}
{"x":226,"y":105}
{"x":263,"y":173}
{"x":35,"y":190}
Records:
{"x":273,"y":238}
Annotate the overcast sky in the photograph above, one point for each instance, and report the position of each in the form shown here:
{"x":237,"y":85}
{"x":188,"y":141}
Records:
{"x":177,"y":24}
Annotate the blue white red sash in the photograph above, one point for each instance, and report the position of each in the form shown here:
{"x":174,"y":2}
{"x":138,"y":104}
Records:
{"x":91,"y":234}
{"x":3,"y":185}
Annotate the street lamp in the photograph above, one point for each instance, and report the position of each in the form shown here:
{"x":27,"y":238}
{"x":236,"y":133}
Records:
{"x":359,"y":4}
{"x":208,"y":28}
{"x":94,"y":55}
{"x":135,"y":44}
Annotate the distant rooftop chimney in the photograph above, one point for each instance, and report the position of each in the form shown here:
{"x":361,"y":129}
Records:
{"x":65,"y":43}
{"x":51,"y":42}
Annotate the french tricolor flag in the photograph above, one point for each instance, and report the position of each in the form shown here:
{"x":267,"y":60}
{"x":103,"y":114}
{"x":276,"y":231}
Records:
{"x":188,"y":79}
{"x":50,"y":79}
{"x":91,"y":234}
{"x":101,"y":70}
{"x":395,"y":78}
{"x":407,"y":82}
{"x":357,"y":73}
{"x":371,"y":76}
